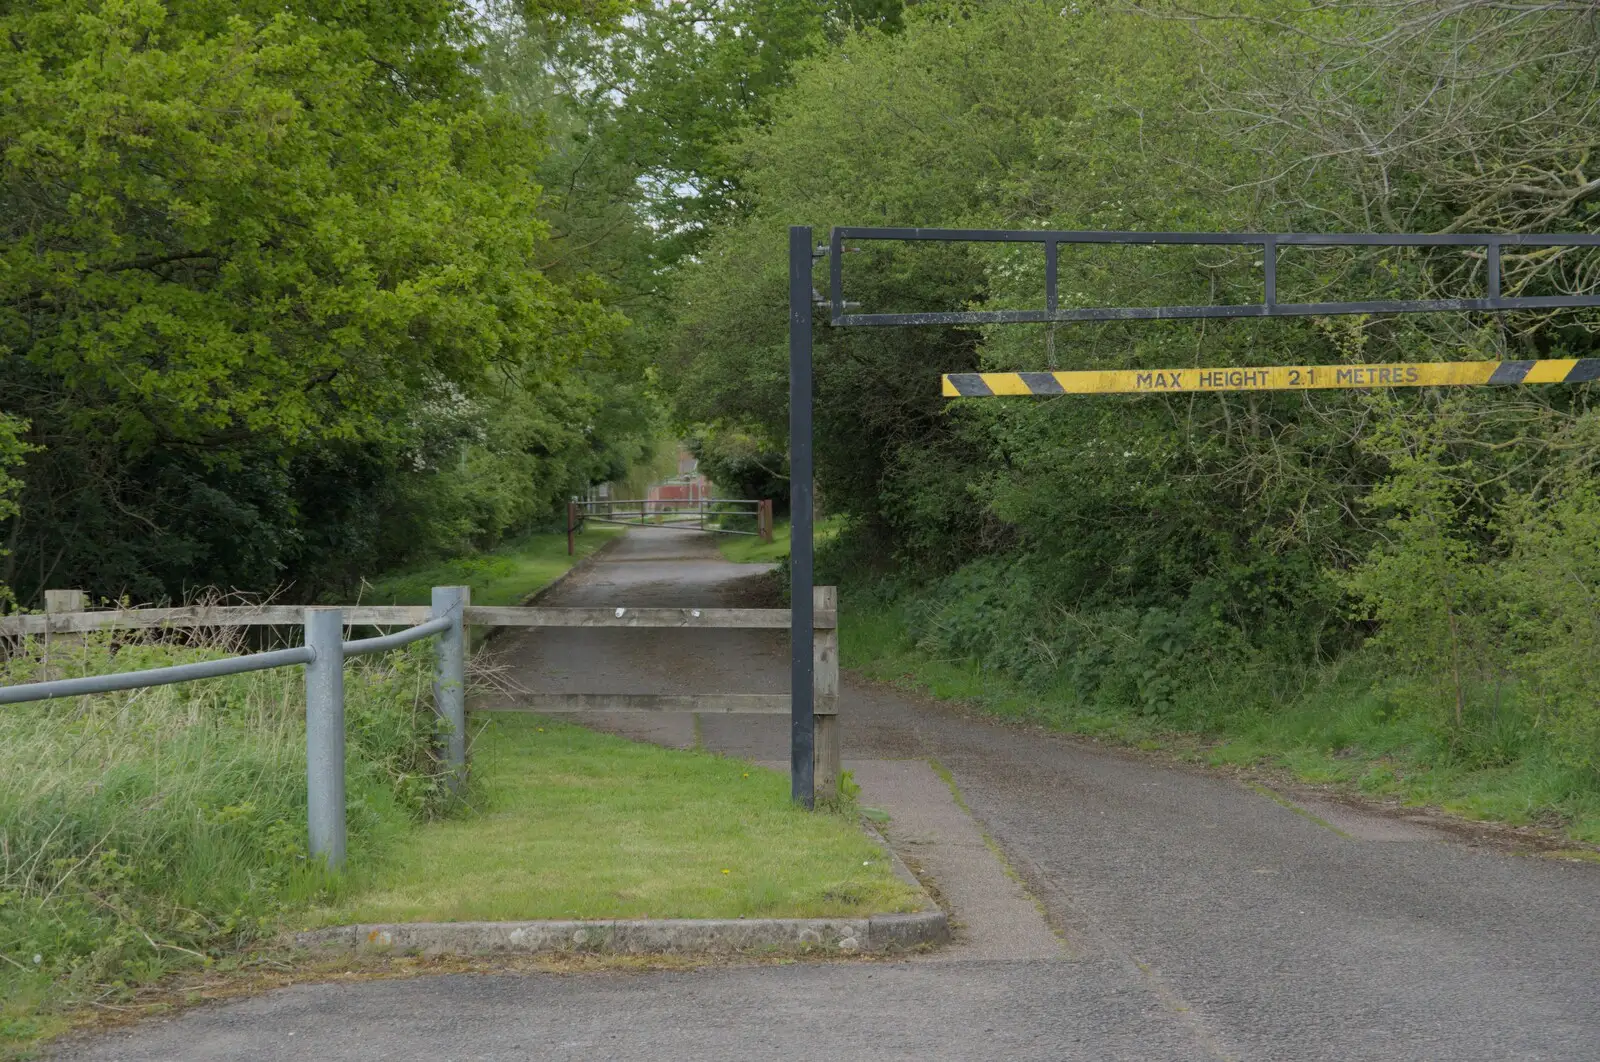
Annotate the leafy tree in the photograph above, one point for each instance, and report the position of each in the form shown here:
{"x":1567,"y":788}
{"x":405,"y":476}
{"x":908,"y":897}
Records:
{"x":741,"y":465}
{"x":679,"y":81}
{"x":1092,"y":539}
{"x":12,"y":450}
{"x":240,"y":236}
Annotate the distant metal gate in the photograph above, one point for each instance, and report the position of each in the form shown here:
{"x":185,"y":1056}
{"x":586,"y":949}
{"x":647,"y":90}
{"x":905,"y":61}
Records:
{"x":687,"y":514}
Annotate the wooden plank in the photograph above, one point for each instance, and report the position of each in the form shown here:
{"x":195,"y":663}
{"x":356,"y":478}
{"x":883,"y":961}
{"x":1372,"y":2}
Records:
{"x":205,"y":616}
{"x":403,"y":616}
{"x":725,"y":703}
{"x":755,"y":618}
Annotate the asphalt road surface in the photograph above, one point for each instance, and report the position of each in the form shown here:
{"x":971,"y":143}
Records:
{"x":1201,"y":918}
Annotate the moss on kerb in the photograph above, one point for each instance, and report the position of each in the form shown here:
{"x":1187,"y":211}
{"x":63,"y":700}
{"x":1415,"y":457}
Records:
{"x":1280,"y":799}
{"x":994,"y":846}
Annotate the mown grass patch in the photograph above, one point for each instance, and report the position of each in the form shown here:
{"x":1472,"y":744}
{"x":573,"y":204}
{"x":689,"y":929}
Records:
{"x":578,"y":824}
{"x":503,"y":576}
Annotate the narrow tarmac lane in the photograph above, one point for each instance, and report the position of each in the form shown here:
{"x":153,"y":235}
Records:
{"x":1202,"y":919}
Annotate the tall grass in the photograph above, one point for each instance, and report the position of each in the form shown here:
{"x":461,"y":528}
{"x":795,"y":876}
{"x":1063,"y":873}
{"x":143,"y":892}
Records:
{"x":157,"y":827}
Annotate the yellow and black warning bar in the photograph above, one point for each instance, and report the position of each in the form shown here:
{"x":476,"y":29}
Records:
{"x":1272,"y":378}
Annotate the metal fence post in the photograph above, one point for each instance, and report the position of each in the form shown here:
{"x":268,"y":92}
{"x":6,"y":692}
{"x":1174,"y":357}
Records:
{"x":450,"y":678}
{"x":801,"y":723}
{"x":825,"y":653}
{"x":325,"y":734}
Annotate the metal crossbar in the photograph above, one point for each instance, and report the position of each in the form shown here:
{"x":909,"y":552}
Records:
{"x":1493,"y":300}
{"x":384,"y":642}
{"x":159,"y":676}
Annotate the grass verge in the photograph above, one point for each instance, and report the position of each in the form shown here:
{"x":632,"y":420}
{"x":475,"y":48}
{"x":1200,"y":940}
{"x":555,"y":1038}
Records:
{"x":503,"y":576}
{"x":145,"y":832}
{"x":577,"y":824}
{"x":742,"y":549}
{"x":1342,"y":725}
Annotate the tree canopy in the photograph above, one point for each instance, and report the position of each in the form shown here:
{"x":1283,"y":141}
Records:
{"x":260,"y":260}
{"x":1122,"y":543}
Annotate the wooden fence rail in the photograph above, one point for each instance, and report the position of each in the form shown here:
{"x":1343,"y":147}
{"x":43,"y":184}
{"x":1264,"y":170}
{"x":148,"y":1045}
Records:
{"x":190,"y":616}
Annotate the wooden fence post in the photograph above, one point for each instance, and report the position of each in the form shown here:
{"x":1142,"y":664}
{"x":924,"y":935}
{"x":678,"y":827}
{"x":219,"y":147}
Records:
{"x":56,"y":602}
{"x":65,"y":601}
{"x":825,"y":717}
{"x":572,"y":518}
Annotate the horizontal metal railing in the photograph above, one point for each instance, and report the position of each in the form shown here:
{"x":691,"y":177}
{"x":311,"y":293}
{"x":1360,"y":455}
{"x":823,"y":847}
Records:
{"x":207,"y":669}
{"x":158,"y":676}
{"x":384,"y":642}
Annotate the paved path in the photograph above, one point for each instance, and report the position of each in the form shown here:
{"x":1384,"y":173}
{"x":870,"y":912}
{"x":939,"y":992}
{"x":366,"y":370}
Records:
{"x":1200,"y":918}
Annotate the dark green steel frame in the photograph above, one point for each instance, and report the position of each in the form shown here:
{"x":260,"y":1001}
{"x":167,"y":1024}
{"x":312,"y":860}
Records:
{"x":803,"y":254}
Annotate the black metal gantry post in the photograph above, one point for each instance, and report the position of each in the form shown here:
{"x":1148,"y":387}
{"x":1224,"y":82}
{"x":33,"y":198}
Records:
{"x":802,"y":691}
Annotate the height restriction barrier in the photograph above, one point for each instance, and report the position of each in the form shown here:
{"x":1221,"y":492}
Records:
{"x":1273,"y":378}
{"x":804,"y":299}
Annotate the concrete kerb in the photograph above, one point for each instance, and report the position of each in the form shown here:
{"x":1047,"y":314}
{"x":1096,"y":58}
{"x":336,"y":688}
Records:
{"x":669,"y":936}
{"x":875,"y":934}
{"x":897,"y":864}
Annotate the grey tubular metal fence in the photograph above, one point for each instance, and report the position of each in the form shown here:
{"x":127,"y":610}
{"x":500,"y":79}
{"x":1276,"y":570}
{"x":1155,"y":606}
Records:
{"x":160,"y":676}
{"x":323,"y":655}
